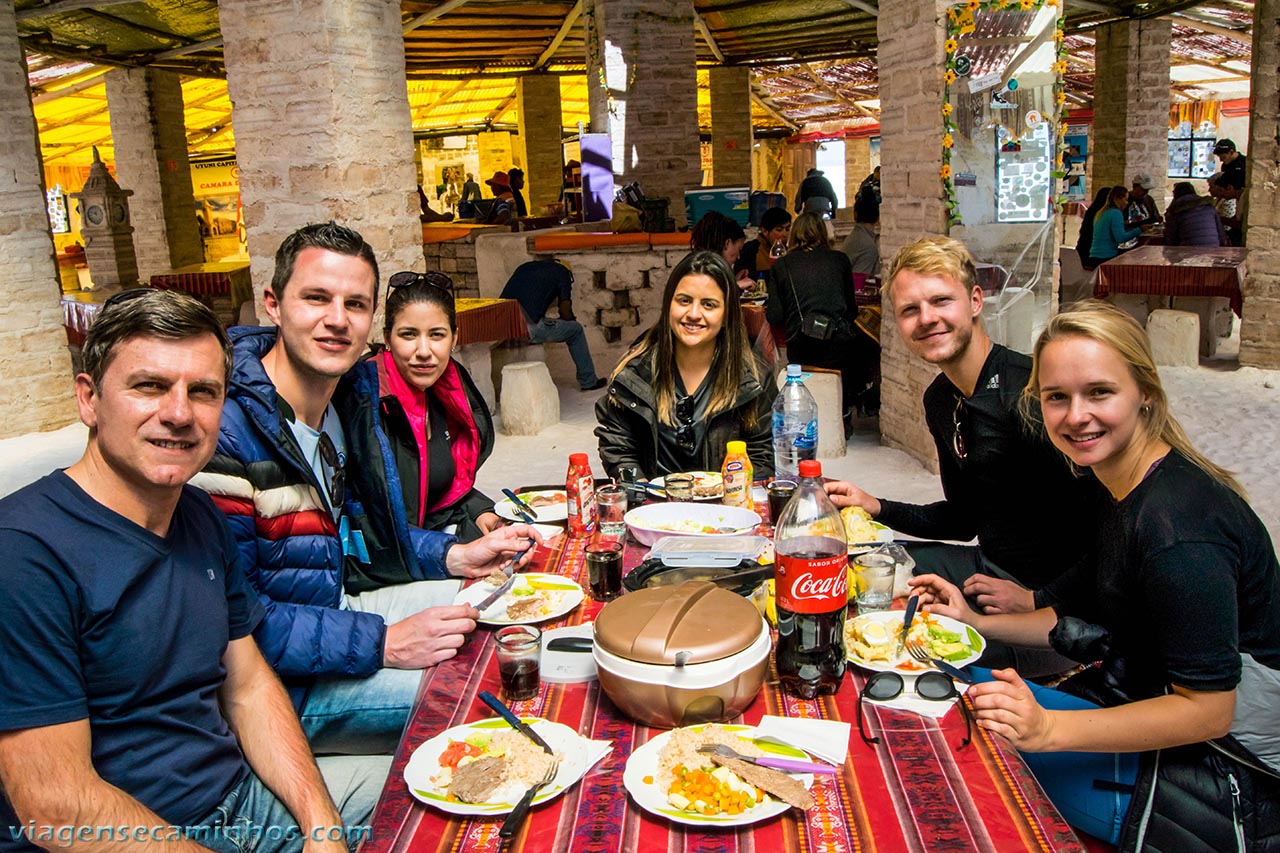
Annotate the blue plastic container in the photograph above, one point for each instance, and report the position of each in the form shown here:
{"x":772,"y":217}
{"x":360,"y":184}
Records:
{"x":733,"y":202}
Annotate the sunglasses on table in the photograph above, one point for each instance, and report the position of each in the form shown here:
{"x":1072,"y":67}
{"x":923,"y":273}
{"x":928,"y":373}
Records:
{"x":430,"y":278}
{"x":933,"y":686}
{"x":338,"y":479}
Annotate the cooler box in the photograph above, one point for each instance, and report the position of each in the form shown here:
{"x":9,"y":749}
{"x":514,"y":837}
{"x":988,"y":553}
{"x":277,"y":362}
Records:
{"x":762,"y":201}
{"x":733,"y":202}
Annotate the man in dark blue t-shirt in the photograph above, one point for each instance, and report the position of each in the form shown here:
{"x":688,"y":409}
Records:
{"x":537,"y":284}
{"x":138,"y":707}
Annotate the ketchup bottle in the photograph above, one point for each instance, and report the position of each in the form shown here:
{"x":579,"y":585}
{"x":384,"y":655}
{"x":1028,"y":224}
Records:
{"x":580,"y":486}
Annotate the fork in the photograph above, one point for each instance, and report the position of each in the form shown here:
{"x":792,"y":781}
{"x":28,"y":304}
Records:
{"x":789,"y":765}
{"x":919,"y":652}
{"x":516,"y":817}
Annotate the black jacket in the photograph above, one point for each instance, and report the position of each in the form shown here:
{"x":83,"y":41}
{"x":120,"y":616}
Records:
{"x":1013,"y":490}
{"x":628,"y":424}
{"x":1192,"y":220}
{"x":816,"y":185}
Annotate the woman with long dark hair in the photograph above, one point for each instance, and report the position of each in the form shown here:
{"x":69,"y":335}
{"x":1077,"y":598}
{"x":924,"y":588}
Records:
{"x":690,"y":384}
{"x":1085,"y":243}
{"x":1171,"y":741}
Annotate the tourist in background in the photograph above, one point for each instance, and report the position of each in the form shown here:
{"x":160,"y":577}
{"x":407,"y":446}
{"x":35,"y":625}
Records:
{"x":1109,"y":230}
{"x":863,"y":243}
{"x":816,"y":195}
{"x":757,"y":256}
{"x":1192,"y":220}
{"x":690,"y":384}
{"x":1142,"y":208}
{"x":715,"y":232}
{"x":1085,"y":243}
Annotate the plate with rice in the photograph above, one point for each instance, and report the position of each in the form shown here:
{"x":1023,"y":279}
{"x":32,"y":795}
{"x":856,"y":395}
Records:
{"x":509,"y":763}
{"x":534,"y":597}
{"x":656,"y":777}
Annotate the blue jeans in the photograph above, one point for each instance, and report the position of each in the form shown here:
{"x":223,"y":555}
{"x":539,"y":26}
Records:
{"x":251,"y":820}
{"x":1068,"y":777}
{"x":366,"y":716}
{"x":551,"y":331}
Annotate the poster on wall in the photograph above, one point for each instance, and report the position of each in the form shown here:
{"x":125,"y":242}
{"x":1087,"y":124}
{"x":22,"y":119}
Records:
{"x":216,"y":187}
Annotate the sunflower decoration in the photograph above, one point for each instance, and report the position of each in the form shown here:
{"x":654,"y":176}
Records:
{"x":1058,"y":35}
{"x":948,"y":140}
{"x":1060,"y":67}
{"x":946,"y":172}
{"x":1026,"y":5}
{"x":951,"y":46}
{"x":946,"y":109}
{"x":1061,"y":98}
{"x":973,"y":5}
{"x":949,"y":76}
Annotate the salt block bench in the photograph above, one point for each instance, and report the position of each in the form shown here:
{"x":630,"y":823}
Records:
{"x":827,"y":390}
{"x":512,"y":352}
{"x":1175,"y":337}
{"x":600,"y":239}
{"x":529,"y":401}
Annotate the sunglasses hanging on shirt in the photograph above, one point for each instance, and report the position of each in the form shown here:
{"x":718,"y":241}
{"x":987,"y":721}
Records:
{"x":338,"y":479}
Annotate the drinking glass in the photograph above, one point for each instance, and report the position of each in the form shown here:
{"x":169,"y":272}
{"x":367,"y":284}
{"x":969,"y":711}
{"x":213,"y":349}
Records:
{"x":873,"y":572}
{"x":519,"y":656}
{"x":611,"y":507}
{"x":604,"y":569}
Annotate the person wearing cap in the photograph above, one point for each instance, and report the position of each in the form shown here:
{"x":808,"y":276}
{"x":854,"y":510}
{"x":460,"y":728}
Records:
{"x":504,"y":201}
{"x":1142,"y":207}
{"x":816,"y":194}
{"x":1228,"y":187}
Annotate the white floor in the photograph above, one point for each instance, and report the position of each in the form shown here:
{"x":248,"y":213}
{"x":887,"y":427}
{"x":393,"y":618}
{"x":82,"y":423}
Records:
{"x":1230,"y":414}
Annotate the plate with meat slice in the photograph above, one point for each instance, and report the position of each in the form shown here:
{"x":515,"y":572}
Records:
{"x":548,"y":505}
{"x":483,"y":768}
{"x":668,"y":777}
{"x":534,"y":597}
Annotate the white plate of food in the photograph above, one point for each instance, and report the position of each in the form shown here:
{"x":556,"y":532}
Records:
{"x":859,"y":529}
{"x":513,"y":763}
{"x":653,"y":780}
{"x":707,"y":486}
{"x":548,"y":505}
{"x":651,"y":522}
{"x":534,"y":597}
{"x":871,"y":641}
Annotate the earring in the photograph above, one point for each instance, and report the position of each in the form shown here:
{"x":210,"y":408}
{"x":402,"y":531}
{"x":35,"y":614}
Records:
{"x":1145,"y":410}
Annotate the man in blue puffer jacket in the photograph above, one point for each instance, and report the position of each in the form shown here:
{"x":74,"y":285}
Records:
{"x":306,"y":521}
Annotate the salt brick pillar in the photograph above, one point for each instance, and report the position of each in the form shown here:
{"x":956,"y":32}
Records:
{"x":731,"y":136}
{"x":149,"y":134}
{"x":645,"y":51}
{"x":857,"y":165}
{"x":538,"y":101}
{"x":911,"y":60}
{"x":1131,"y":104}
{"x":321,"y":112}
{"x":37,"y":393}
{"x":1260,"y":327}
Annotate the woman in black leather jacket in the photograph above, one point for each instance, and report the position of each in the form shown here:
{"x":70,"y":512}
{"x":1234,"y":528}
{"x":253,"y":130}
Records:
{"x":690,"y":384}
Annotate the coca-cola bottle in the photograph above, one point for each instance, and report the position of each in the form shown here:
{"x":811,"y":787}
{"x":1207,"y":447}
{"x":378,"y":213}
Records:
{"x":812,"y":585}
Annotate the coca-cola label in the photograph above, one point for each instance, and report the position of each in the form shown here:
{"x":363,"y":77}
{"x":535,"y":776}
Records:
{"x":812,"y":585}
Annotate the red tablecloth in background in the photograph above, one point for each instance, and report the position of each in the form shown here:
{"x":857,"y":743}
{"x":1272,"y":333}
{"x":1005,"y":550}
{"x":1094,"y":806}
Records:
{"x":490,"y":320}
{"x":916,"y":791}
{"x":763,"y":337}
{"x":224,"y":278}
{"x":1176,"y":271}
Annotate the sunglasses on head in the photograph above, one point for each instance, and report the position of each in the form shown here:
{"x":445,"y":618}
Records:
{"x":934,"y":686}
{"x":338,"y":479}
{"x":127,"y":296}
{"x":430,"y":278}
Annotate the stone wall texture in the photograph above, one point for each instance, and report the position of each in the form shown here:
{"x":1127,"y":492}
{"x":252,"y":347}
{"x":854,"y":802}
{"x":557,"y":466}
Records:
{"x":538,"y":100}
{"x":731,"y":135}
{"x":1260,"y":328}
{"x":148,"y":131}
{"x":857,"y":165}
{"x":1131,"y":127}
{"x":323,"y":131}
{"x":645,"y":50}
{"x":910,"y":57}
{"x":33,"y":345}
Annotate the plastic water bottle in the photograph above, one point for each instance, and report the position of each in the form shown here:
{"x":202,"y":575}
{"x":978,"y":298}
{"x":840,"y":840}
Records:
{"x":795,"y":426}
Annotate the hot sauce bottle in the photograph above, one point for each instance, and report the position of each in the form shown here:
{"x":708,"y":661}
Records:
{"x":580,"y":486}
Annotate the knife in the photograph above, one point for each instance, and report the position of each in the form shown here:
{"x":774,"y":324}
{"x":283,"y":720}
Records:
{"x":487,"y":602}
{"x":516,"y":723}
{"x":789,"y":765}
{"x":912,"y":603}
{"x":953,"y":671}
{"x":527,"y":514}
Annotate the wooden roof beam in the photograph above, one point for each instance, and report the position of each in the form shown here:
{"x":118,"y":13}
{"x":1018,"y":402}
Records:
{"x":444,"y":99}
{"x":569,"y":20}
{"x":1214,"y":29}
{"x":196,"y":47}
{"x":58,"y":8}
{"x":863,"y":6}
{"x":705,"y":32}
{"x":827,"y":88}
{"x":498,"y":111}
{"x":121,"y":22}
{"x":94,"y":79}
{"x":427,"y":17}
{"x":773,"y":111}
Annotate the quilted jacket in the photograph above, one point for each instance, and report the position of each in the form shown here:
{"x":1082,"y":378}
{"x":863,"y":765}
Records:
{"x":293,"y":553}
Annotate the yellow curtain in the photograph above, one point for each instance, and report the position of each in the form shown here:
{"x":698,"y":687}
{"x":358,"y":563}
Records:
{"x":1195,"y":112}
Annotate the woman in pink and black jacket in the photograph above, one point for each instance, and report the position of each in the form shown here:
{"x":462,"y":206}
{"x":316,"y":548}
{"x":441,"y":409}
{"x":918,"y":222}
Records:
{"x":435,"y":422}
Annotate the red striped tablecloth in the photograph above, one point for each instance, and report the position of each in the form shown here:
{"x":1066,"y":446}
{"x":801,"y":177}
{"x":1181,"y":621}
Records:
{"x":915,"y":792}
{"x":1176,"y":271}
{"x":490,"y":320}
{"x":225,"y":278}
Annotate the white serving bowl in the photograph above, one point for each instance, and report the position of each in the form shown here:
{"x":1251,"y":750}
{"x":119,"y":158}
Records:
{"x":650,"y":523}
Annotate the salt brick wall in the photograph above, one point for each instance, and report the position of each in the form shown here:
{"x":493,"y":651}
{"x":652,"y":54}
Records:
{"x":148,"y":131}
{"x":659,"y":139}
{"x":33,"y":344}
{"x":323,"y":130}
{"x":910,"y":58}
{"x":1260,"y":327}
{"x":1131,"y":97}
{"x":538,"y":101}
{"x":857,"y":165}
{"x":731,"y":135}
